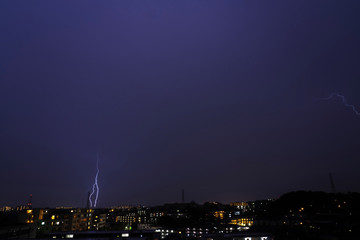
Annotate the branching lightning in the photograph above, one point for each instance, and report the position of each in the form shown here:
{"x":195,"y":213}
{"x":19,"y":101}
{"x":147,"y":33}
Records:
{"x":343,"y":101}
{"x":95,"y":186}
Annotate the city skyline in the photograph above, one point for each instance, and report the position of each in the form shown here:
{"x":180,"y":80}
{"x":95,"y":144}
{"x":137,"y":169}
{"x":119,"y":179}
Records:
{"x":214,"y":97}
{"x":309,"y":215}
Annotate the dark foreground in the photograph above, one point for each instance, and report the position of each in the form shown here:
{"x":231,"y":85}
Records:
{"x":296,"y":215}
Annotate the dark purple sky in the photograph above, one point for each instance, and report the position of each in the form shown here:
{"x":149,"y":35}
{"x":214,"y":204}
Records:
{"x":212,"y":96}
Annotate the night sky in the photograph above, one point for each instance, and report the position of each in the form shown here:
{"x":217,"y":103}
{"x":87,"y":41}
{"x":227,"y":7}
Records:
{"x":216,"y":97}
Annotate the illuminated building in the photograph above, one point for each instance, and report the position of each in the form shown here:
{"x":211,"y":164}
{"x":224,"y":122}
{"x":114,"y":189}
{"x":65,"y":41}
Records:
{"x":196,"y":232}
{"x":22,"y":207}
{"x":243,"y":222}
{"x":6,"y":209}
{"x":99,"y":221}
{"x":239,"y":205}
{"x":80,"y":220}
{"x":64,"y":219}
{"x":127,"y":219}
{"x":30,"y":216}
{"x":219,"y":214}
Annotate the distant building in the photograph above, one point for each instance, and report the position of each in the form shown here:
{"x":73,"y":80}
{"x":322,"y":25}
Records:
{"x":6,"y":209}
{"x":240,"y":205}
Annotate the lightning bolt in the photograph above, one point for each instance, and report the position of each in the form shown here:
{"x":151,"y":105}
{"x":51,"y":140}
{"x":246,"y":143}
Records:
{"x":92,"y":193}
{"x":96,"y":180}
{"x":95,"y":186}
{"x":343,"y":101}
